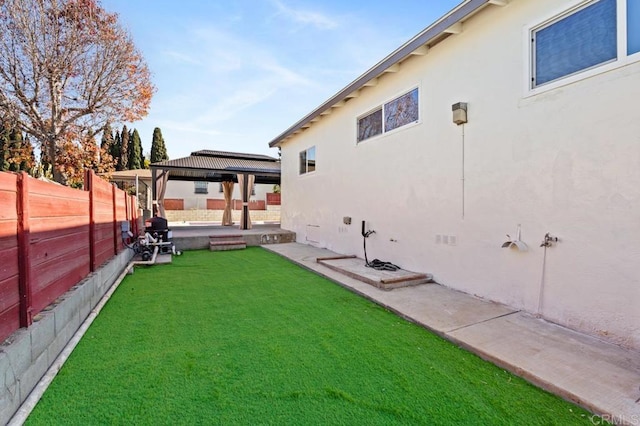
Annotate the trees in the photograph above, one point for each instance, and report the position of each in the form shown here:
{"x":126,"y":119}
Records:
{"x":158,"y":149}
{"x":74,"y":158}
{"x":4,"y":147}
{"x":16,"y":152}
{"x":123,"y":160}
{"x":135,"y":151}
{"x":107,"y":137}
{"x":66,"y":68}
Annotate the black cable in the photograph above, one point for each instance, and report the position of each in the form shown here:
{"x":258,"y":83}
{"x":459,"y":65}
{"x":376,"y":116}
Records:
{"x":376,"y":263}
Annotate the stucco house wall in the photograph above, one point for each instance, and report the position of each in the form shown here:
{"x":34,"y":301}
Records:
{"x":186,"y":190}
{"x":563,"y":159}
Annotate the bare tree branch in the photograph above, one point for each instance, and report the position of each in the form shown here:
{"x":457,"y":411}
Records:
{"x":68,"y":66}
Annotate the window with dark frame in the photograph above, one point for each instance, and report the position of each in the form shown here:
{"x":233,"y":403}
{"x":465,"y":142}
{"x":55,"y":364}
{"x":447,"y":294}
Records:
{"x":308,"y":160}
{"x":201,"y":187}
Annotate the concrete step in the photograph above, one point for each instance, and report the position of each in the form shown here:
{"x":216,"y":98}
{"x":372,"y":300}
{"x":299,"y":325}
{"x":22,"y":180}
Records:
{"x":225,"y":237}
{"x":227,"y":245}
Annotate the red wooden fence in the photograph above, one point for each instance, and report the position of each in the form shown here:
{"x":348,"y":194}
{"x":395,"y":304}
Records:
{"x":52,"y":237}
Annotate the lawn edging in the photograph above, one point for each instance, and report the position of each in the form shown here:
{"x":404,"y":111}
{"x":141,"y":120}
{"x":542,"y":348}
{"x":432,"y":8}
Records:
{"x":27,"y":355}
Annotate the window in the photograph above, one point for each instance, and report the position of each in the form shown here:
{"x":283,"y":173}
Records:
{"x":308,"y":160}
{"x":577,"y":42}
{"x":396,"y":113}
{"x":201,"y":187}
{"x":370,"y":125}
{"x":220,"y":188}
{"x":633,"y":26}
{"x":401,"y":111}
{"x":585,"y":38}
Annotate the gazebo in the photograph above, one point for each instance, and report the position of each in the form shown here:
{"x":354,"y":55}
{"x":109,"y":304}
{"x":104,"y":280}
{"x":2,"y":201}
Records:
{"x":217,"y":166}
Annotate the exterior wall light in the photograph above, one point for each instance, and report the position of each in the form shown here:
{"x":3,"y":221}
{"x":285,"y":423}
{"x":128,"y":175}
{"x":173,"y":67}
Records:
{"x":459,"y":113}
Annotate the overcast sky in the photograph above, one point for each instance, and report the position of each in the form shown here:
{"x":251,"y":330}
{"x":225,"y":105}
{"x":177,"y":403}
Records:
{"x":232,"y":75}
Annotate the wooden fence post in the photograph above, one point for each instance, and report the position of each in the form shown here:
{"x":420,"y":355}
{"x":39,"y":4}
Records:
{"x":24,"y":257}
{"x":88,"y":186}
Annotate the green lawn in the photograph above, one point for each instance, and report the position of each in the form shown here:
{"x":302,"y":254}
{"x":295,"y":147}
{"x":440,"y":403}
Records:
{"x":246,"y":337}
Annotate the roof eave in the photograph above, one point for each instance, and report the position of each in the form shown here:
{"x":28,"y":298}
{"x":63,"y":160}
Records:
{"x":428,"y":35}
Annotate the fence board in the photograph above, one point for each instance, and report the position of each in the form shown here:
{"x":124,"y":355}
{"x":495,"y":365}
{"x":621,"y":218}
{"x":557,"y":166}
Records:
{"x":8,"y":234}
{"x":48,"y":227}
{"x":8,"y":264}
{"x":9,"y":297}
{"x":9,"y":278}
{"x":73,"y":240}
{"x":104,"y":251}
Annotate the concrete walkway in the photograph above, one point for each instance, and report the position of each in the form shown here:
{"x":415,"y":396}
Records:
{"x":601,"y":377}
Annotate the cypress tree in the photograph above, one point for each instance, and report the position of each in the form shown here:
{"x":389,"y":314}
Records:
{"x":28,"y":162}
{"x":115,"y":149}
{"x":123,"y":160}
{"x":15,"y":150}
{"x":158,"y":149}
{"x":4,"y":147}
{"x":107,"y":137}
{"x":135,"y":151}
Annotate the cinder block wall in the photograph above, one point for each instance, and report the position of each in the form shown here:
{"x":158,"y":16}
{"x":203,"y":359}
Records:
{"x":28,"y":353}
{"x":216,"y":215}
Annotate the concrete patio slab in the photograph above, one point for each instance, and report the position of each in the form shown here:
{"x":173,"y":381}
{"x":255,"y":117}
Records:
{"x":384,"y":279}
{"x":599,"y":376}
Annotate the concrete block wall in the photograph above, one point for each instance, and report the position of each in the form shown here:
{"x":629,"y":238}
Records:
{"x":28,"y":353}
{"x":216,"y":215}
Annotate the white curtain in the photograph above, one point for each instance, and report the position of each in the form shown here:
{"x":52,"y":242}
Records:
{"x":161,"y":188}
{"x":227,"y":189}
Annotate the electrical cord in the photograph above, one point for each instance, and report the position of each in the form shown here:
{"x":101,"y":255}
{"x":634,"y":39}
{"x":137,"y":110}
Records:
{"x":376,"y":263}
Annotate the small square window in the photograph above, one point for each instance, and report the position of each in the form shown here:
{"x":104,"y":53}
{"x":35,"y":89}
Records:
{"x":308,"y":160}
{"x":201,"y":187}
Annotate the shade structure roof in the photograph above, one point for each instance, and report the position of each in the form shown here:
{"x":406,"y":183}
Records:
{"x":218,"y":166}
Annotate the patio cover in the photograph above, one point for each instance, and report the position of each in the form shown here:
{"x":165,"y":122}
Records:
{"x":139,"y":178}
{"x":217,"y":166}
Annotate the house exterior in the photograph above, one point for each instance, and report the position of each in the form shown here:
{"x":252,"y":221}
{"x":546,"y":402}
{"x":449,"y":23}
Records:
{"x":202,"y":195}
{"x":514,"y":117}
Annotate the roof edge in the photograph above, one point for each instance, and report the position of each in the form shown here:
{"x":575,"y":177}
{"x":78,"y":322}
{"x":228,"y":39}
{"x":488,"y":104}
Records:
{"x":426,"y":36}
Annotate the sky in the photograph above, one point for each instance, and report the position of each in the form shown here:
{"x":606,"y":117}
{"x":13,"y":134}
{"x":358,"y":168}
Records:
{"x":232,"y":75}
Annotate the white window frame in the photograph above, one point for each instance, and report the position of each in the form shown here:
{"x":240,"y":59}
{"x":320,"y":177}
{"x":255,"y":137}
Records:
{"x":384,"y":116}
{"x":622,"y":58}
{"x":306,"y":151}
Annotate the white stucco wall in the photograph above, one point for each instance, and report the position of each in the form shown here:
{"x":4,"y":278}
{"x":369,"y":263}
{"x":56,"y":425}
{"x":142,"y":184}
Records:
{"x":186,"y":191}
{"x":564,"y":161}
